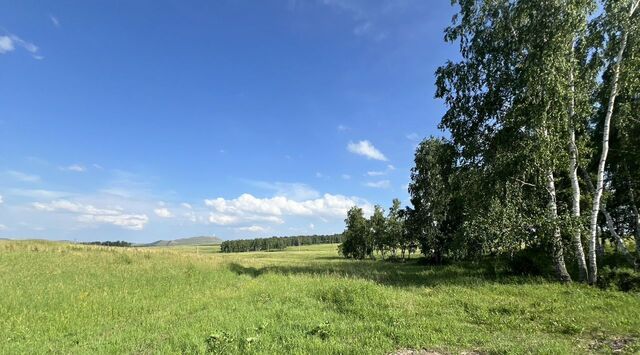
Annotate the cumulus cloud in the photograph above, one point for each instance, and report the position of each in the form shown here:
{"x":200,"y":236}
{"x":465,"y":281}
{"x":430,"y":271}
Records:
{"x":248,"y":208}
{"x":1,"y":200}
{"x":6,"y":44}
{"x":366,"y":149}
{"x":87,"y":213}
{"x":163,"y":212}
{"x":382,"y":184}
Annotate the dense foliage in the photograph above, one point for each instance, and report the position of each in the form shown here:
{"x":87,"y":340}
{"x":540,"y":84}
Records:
{"x":276,"y":243}
{"x":543,"y":119}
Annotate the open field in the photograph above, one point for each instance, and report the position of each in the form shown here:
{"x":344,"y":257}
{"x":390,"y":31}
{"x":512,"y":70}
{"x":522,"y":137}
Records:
{"x":65,"y":298}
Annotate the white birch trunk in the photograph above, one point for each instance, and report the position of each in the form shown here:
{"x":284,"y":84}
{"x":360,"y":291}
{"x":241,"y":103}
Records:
{"x":622,"y":248}
{"x":558,"y":251}
{"x":593,"y":265}
{"x":575,"y":189}
{"x":636,"y":235}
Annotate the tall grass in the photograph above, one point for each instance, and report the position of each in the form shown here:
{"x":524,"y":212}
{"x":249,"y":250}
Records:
{"x":66,"y":298}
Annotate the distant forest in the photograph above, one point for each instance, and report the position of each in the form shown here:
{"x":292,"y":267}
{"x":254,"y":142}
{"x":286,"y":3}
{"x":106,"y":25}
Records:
{"x":118,"y":243}
{"x":276,"y":243}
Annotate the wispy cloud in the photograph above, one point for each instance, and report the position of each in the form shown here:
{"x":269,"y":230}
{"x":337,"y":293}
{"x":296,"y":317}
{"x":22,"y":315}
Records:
{"x":369,"y":16}
{"x":390,"y":168}
{"x":252,"y":229}
{"x":75,"y":168}
{"x":89,"y":214}
{"x":54,"y":21}
{"x":292,"y":190}
{"x":39,"y":193}
{"x":9,"y":42}
{"x":382,"y":184}
{"x":24,"y":177}
{"x":366,"y":149}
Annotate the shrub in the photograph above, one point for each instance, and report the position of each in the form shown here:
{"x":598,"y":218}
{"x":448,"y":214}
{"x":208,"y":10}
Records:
{"x":531,"y":261}
{"x":623,"y":279}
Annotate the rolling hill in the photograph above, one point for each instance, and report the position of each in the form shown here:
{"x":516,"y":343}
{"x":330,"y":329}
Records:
{"x":202,"y":240}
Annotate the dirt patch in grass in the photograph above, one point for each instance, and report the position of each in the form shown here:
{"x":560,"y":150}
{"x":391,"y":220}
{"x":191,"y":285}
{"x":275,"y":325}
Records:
{"x":430,"y":352}
{"x":616,"y":344}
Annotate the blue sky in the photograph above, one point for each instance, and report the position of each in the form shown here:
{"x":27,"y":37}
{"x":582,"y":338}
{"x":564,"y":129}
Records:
{"x":146,"y":120}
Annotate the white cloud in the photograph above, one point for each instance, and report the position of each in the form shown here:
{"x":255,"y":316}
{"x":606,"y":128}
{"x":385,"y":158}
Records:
{"x":74,"y":167}
{"x":295,"y":191}
{"x":346,"y":176}
{"x":90,"y":214}
{"x":163,"y":212}
{"x":382,"y":184}
{"x":252,"y":229}
{"x":413,"y":136}
{"x":186,"y":205}
{"x":9,"y":42}
{"x":222,"y":219}
{"x":28,"y":46}
{"x":1,"y":200}
{"x":342,"y":128}
{"x":366,"y":149}
{"x":39,"y":193}
{"x":312,"y":226}
{"x":6,"y":44}
{"x":3,"y":227}
{"x":390,"y":168}
{"x":17,"y":175}
{"x":247,"y":208}
{"x":54,"y":21}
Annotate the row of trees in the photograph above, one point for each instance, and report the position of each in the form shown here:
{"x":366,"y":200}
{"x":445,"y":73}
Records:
{"x":117,"y":243}
{"x":277,"y":243}
{"x":543,"y":113}
{"x":388,"y":235}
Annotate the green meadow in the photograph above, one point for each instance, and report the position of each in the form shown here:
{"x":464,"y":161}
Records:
{"x":64,"y":298}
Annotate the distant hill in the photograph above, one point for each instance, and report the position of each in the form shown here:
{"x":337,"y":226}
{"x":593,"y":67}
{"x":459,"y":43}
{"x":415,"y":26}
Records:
{"x":185,"y":241}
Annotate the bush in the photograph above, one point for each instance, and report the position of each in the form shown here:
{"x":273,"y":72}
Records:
{"x":531,"y":261}
{"x":623,"y":279}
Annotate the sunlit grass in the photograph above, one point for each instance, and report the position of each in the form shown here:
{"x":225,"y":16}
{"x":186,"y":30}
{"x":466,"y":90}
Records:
{"x":67,"y":298}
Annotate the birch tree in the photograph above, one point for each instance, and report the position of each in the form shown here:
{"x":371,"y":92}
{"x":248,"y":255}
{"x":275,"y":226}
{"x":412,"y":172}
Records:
{"x":618,"y":21}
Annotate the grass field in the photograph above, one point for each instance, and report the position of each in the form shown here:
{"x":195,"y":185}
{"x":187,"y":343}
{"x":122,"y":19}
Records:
{"x":64,"y":298}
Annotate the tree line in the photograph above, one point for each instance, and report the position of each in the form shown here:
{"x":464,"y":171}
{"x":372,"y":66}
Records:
{"x":277,"y":243}
{"x":117,"y":243}
{"x":543,"y":120}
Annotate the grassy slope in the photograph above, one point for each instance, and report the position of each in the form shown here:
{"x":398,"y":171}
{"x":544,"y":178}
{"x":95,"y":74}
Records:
{"x":85,"y":299}
{"x":185,"y":242}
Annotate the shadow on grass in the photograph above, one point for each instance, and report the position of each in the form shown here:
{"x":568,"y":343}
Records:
{"x":413,"y":273}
